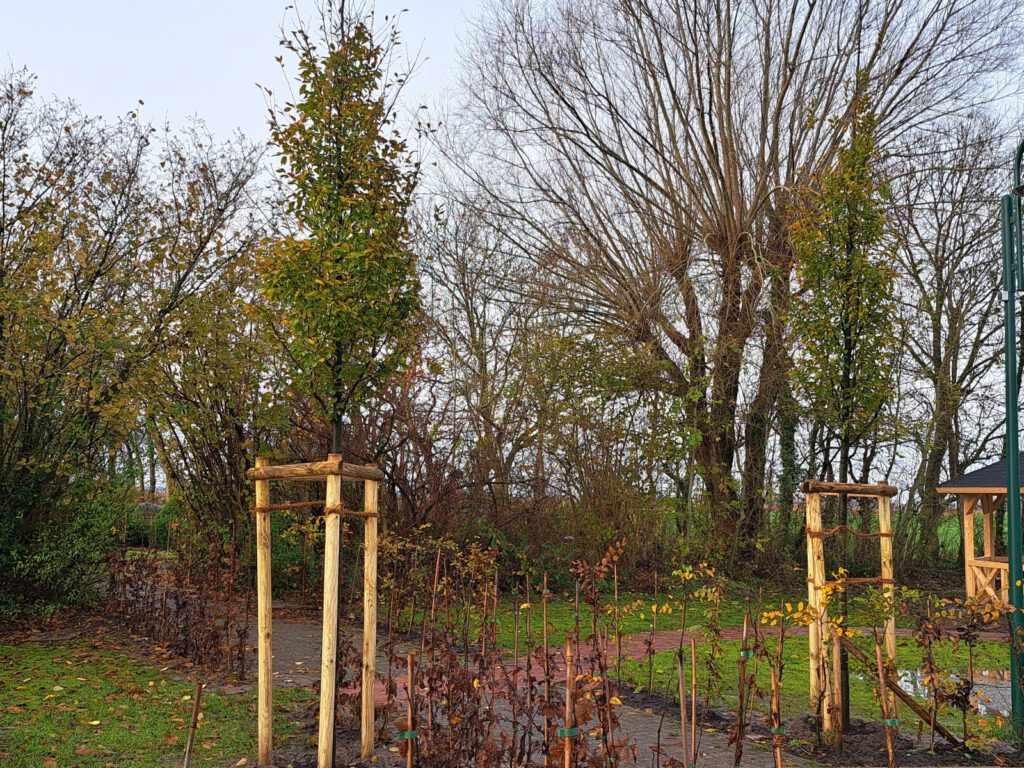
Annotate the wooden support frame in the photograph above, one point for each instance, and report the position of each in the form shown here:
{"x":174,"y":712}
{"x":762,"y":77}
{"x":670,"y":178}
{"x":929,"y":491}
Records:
{"x":823,"y":688}
{"x":334,"y":471}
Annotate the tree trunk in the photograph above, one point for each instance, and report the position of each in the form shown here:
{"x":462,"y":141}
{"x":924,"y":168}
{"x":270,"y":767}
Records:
{"x":844,"y":550}
{"x":788,"y":420}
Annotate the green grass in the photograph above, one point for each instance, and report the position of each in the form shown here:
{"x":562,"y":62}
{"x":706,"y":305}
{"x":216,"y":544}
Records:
{"x":79,"y":706}
{"x":863,"y":704}
{"x":635,"y":614}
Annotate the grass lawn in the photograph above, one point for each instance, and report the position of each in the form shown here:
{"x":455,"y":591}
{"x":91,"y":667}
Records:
{"x":635,"y":613}
{"x":76,"y":705}
{"x":863,"y":703}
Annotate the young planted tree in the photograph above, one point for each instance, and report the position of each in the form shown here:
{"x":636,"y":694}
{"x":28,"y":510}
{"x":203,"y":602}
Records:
{"x":345,"y":278}
{"x":844,"y":312}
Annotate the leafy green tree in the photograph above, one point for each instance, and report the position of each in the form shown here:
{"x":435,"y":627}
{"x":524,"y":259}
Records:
{"x":844,"y":312}
{"x":106,"y":233}
{"x":345,"y":279}
{"x":211,"y":401}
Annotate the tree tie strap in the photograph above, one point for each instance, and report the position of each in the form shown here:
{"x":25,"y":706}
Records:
{"x":891,"y":722}
{"x":406,"y":735}
{"x":569,"y":733}
{"x":746,"y":654}
{"x":778,"y":731}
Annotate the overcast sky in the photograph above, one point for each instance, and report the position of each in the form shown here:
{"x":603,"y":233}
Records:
{"x":194,"y":57}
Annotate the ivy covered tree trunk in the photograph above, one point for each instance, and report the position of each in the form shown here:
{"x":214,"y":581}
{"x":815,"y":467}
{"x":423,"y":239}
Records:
{"x":788,"y":420}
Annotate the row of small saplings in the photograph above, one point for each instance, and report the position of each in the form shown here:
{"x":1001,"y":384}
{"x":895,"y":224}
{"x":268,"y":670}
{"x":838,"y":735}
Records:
{"x":467,"y":703}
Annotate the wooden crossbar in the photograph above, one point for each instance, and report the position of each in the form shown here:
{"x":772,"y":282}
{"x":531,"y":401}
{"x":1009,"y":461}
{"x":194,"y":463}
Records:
{"x":849,"y":489}
{"x":312,"y":505}
{"x":288,"y":505}
{"x":826,"y":532}
{"x":868,"y":580}
{"x":316,"y":470}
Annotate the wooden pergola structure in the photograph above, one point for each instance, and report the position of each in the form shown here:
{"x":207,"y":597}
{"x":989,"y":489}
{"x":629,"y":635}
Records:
{"x":334,"y":471}
{"x":982,"y":492}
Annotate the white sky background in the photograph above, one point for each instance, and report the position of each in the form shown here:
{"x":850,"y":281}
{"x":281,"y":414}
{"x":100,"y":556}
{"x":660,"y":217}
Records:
{"x":198,"y":58}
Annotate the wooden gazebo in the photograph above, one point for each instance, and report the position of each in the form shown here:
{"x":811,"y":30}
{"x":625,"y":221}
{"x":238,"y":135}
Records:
{"x":982,"y":492}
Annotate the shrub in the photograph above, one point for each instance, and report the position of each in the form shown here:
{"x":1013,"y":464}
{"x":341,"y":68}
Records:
{"x":63,"y":560}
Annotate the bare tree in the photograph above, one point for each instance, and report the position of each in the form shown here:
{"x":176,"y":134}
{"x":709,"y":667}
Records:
{"x":642,"y":155}
{"x":949,"y":237}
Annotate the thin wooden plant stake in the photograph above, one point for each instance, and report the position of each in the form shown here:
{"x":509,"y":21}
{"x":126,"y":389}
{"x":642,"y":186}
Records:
{"x":265,"y":682}
{"x":683,"y":727}
{"x":433,"y":608}
{"x":888,"y":722}
{"x":618,"y":627}
{"x":529,"y":668}
{"x":837,"y":698}
{"x":775,"y":671}
{"x":693,"y":702}
{"x":741,"y":662}
{"x":410,"y":734}
{"x":547,"y":674}
{"x":570,"y":730}
{"x":193,"y":725}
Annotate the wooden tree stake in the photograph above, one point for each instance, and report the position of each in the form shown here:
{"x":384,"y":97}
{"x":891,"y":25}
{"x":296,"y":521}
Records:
{"x":265,"y":674}
{"x":888,"y":584}
{"x":329,"y":649}
{"x":815,"y":559}
{"x":369,"y":616}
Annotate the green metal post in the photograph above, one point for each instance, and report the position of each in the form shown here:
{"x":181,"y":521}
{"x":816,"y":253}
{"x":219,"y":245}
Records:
{"x":1008,"y":207}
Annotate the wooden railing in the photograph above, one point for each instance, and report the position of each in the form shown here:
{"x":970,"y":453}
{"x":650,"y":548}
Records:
{"x":989,"y":575}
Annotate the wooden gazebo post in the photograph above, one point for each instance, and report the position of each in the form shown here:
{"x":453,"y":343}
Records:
{"x":982,"y":491}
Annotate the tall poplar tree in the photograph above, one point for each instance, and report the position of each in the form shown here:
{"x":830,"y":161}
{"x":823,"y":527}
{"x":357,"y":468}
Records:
{"x":346,"y":279}
{"x":845,"y":310}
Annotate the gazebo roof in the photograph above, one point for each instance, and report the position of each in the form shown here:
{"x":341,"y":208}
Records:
{"x":989,"y":479}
